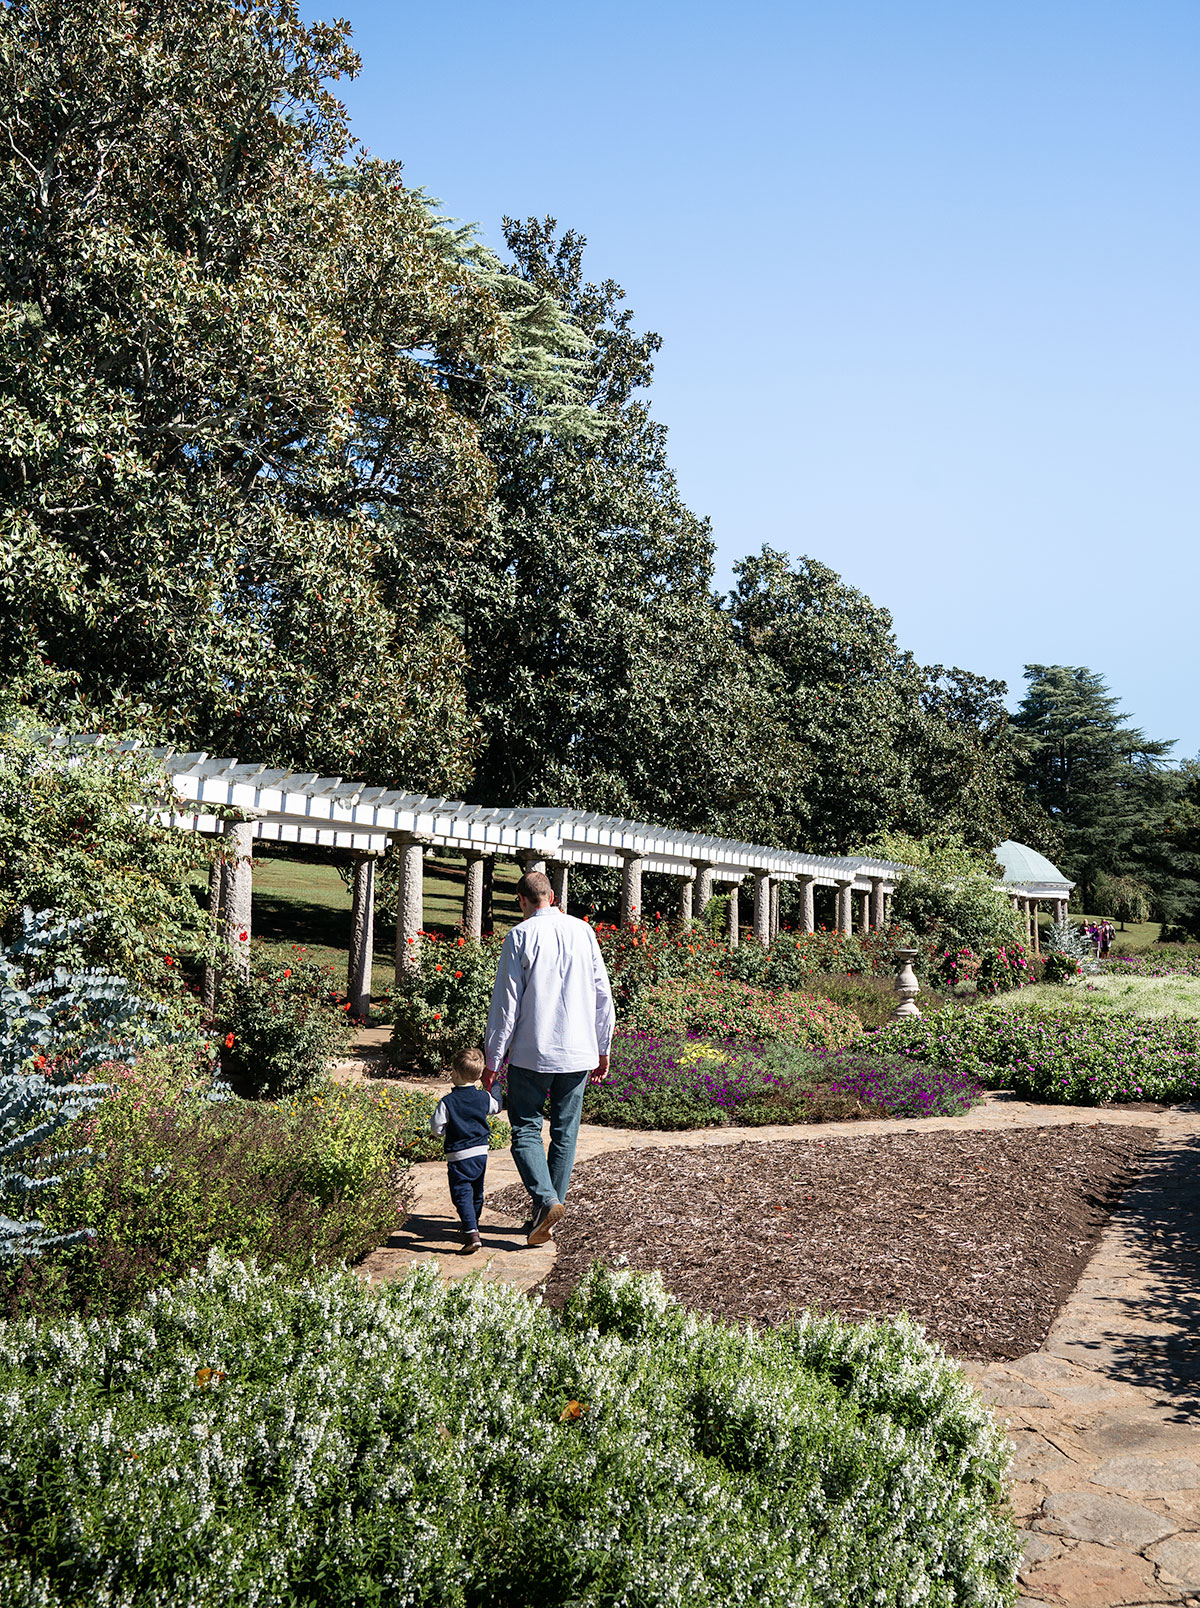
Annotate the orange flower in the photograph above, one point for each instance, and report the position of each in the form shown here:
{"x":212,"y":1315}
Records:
{"x":229,"y":1041}
{"x":458,"y":974}
{"x":288,"y":972}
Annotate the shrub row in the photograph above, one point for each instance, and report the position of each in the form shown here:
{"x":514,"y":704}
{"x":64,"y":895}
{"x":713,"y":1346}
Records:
{"x":1060,"y":1055}
{"x":248,"y":1439}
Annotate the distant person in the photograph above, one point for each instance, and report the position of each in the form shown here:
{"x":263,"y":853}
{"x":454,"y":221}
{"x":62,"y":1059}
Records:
{"x":552,"y":1017}
{"x":461,"y":1119}
{"x":1107,"y":934}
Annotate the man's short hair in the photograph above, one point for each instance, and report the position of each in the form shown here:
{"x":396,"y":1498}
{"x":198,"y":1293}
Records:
{"x":535,"y":886}
{"x":467,"y":1066}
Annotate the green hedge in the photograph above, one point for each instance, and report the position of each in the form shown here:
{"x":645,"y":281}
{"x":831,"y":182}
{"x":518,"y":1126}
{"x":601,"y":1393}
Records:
{"x":245,"y":1439}
{"x":1059,"y":1054}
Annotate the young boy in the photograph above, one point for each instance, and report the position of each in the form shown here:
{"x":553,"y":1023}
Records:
{"x":462,"y":1119}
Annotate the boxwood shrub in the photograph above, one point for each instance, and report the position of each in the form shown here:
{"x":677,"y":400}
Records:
{"x":249,"y":1439}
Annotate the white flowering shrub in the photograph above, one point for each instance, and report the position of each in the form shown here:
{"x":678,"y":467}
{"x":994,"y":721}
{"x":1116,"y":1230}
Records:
{"x":245,"y":1440}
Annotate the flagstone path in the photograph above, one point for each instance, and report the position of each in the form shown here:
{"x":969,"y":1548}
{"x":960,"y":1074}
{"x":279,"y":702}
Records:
{"x":1104,"y":1417}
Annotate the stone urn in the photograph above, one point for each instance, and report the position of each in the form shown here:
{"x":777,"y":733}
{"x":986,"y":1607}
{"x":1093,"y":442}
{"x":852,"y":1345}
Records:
{"x":907,"y":986}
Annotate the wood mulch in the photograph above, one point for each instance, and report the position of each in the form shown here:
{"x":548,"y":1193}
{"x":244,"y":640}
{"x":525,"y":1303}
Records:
{"x":978,"y":1236}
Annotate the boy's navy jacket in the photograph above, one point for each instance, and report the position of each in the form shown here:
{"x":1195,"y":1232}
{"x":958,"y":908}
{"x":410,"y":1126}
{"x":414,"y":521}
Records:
{"x":461,"y":1118}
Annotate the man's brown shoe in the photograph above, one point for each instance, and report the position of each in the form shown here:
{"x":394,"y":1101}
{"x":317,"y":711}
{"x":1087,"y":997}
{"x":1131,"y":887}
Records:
{"x":544,"y":1223}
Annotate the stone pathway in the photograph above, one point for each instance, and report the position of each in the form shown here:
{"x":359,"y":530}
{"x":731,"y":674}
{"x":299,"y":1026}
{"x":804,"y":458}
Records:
{"x":1104,"y":1418}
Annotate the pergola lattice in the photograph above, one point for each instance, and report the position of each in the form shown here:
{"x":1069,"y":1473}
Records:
{"x":257,"y":802}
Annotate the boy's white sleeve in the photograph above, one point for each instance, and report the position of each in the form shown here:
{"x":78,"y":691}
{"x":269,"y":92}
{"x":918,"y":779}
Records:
{"x":437,"y":1122}
{"x":493,"y":1104}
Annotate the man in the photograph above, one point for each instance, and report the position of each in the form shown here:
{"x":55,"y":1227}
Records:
{"x":552,"y":1016}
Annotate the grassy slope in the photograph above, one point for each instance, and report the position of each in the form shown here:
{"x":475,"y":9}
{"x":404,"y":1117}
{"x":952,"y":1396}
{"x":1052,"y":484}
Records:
{"x":1148,"y":996}
{"x":306,"y":905}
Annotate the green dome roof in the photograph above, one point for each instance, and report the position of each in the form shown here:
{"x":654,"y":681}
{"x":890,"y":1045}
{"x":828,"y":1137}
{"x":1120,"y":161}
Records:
{"x":1023,"y":864}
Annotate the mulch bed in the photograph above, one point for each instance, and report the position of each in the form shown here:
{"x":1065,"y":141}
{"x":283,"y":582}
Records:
{"x":979,"y":1236}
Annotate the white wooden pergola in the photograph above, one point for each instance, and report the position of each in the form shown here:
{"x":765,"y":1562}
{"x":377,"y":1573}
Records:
{"x":248,"y":802}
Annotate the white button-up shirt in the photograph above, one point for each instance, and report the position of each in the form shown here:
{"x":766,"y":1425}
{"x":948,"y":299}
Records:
{"x":552,"y":1006}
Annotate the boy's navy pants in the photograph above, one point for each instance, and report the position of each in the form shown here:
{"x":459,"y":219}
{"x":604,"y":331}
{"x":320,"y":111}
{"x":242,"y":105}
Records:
{"x":466,"y":1189}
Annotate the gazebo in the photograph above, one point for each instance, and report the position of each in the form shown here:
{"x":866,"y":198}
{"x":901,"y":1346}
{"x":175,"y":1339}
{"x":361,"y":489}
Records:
{"x":1030,"y":881}
{"x":246,"y":803}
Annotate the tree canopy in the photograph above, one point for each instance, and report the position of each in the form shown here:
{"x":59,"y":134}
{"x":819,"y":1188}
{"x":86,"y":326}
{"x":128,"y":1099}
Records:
{"x":300,"y":471}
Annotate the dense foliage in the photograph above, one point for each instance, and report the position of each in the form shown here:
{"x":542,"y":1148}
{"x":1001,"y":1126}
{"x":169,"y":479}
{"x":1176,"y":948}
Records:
{"x":720,"y":1007}
{"x":951,"y":895}
{"x":77,"y":836}
{"x":248,"y":1439}
{"x":1065,"y":1054}
{"x":442,"y":1006}
{"x":174,"y":1175}
{"x":278,"y":1031}
{"x":224,"y":339}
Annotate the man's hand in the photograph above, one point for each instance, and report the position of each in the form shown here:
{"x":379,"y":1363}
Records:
{"x":601,"y":1073}
{"x":488,"y":1078}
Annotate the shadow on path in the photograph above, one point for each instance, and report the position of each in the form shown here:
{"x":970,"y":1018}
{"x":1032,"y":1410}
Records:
{"x":1134,"y":1315}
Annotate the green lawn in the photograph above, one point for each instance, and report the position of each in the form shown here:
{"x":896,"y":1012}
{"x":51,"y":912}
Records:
{"x":1147,"y":996}
{"x":302,"y":904}
{"x":1130,"y":940}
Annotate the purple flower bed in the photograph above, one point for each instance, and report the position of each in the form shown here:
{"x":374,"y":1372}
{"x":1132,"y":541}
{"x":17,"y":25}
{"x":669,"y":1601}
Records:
{"x":935,"y":1091}
{"x":676,"y":1082}
{"x":1169,"y":962}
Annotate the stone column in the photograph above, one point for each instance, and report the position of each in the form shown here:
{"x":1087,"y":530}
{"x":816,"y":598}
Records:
{"x":560,"y":882}
{"x":1037,"y":931}
{"x":877,"y":918}
{"x":362,"y":936}
{"x":410,"y":904}
{"x":733,"y":915}
{"x":686,"y":887}
{"x":845,"y":907}
{"x":631,"y":891}
{"x":1028,"y":909}
{"x":216,"y":889}
{"x":531,"y":860}
{"x":472,"y":911}
{"x":237,"y":895}
{"x":704,"y":885}
{"x":808,"y":919}
{"x":489,"y":879}
{"x":762,"y":907}
{"x":864,"y":913}
{"x":774,"y":911}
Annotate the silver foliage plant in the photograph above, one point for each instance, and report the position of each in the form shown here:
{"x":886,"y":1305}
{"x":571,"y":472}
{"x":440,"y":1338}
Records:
{"x":55,"y":1029}
{"x":1067,"y":938}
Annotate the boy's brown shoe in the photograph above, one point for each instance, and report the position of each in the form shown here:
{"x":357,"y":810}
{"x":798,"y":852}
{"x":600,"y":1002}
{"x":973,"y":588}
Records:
{"x":543,"y":1223}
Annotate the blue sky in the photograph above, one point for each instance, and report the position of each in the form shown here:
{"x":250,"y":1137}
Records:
{"x":926,"y":276}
